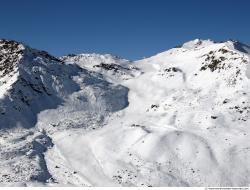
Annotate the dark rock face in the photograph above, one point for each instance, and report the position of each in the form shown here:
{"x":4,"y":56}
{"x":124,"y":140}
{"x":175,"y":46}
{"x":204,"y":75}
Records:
{"x":215,"y":62}
{"x":71,"y":55}
{"x":173,"y":69}
{"x":47,"y":56}
{"x":112,"y":66}
{"x":10,"y":54}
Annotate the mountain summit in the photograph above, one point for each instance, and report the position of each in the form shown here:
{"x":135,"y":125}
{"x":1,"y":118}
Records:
{"x":179,"y":118}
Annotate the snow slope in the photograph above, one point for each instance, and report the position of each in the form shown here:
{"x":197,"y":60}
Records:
{"x":179,"y":118}
{"x":113,"y":68}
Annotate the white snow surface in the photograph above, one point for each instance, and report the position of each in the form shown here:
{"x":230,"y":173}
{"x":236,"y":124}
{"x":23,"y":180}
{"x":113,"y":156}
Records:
{"x":179,"y":118}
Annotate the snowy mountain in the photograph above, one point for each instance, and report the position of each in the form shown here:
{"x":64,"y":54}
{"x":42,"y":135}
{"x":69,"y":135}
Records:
{"x":179,"y":118}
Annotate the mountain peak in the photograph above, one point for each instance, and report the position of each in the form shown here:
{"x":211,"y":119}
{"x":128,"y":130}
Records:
{"x":197,"y":43}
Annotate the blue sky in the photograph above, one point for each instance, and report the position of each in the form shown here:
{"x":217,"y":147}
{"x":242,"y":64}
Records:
{"x":129,"y":28}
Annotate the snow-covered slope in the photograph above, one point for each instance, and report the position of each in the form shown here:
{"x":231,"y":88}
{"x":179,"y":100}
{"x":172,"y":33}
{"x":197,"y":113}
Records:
{"x":179,"y":118}
{"x":113,"y":68}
